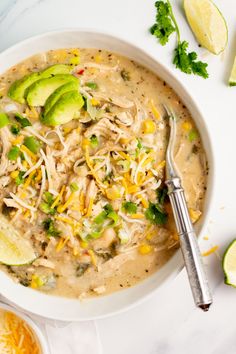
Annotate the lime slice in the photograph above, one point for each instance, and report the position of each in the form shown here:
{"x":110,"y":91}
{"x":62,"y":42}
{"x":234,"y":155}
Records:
{"x":232,"y":79}
{"x":229,"y":264}
{"x":14,"y":250}
{"x":207,"y":24}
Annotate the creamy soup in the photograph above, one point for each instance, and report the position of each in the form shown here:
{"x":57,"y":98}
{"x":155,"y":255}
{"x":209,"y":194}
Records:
{"x":83,"y":168}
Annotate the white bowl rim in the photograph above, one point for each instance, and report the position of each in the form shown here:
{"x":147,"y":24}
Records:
{"x":32,"y":325}
{"x":209,"y":152}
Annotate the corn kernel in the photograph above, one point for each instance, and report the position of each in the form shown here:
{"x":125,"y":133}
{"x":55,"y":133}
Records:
{"x":124,"y":140}
{"x":113,"y":193}
{"x":75,"y":51}
{"x":14,"y":174}
{"x":145,"y":249}
{"x":98,"y":58}
{"x":94,"y":102}
{"x":148,"y":126}
{"x":74,"y":60}
{"x":25,"y":164}
{"x":84,"y":244}
{"x":67,"y":130}
{"x":194,"y":214}
{"x":85,"y":143}
{"x":18,"y":140}
{"x":187,"y":126}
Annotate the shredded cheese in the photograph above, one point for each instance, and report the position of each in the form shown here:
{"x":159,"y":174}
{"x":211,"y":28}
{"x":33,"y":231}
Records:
{"x":43,"y":185}
{"x":63,"y":207}
{"x":210,"y":251}
{"x":16,"y":337}
{"x":24,"y":148}
{"x":58,"y":198}
{"x":61,"y":244}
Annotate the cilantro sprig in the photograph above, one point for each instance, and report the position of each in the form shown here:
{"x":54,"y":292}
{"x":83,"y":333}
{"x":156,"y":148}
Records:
{"x":165,"y":25}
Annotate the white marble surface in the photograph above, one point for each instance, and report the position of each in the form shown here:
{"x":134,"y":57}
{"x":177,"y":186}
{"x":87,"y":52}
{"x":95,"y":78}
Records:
{"x":167,"y":323}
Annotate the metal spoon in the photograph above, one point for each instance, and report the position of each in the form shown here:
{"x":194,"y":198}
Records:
{"x":188,"y":240}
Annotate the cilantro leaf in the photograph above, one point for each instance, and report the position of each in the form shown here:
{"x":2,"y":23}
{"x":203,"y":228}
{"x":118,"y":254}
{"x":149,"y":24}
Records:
{"x":50,"y":229}
{"x":129,"y":207}
{"x":187,"y":63}
{"x":163,"y":27}
{"x":155,"y":214}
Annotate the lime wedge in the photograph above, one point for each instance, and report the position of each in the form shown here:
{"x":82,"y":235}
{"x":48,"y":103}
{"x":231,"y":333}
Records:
{"x":207,"y":24}
{"x":14,"y":249}
{"x":229,"y":264}
{"x":232,"y":79}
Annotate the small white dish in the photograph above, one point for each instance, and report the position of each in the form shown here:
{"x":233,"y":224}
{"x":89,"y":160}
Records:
{"x":34,"y":328}
{"x":72,"y":309}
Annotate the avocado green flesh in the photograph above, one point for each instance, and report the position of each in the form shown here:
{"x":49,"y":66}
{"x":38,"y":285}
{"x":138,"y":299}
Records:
{"x":18,"y":88}
{"x":65,"y":109}
{"x":38,"y":93}
{"x":54,"y":97}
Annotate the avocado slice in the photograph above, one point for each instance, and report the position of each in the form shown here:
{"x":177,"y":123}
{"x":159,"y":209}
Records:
{"x":53,"y":98}
{"x":65,"y":109}
{"x":17,"y":89}
{"x":38,"y":92}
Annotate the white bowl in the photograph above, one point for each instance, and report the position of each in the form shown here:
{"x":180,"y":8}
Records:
{"x":35,"y":329}
{"x":71,"y":309}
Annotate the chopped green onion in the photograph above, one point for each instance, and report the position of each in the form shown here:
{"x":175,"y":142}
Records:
{"x":32,"y":144}
{"x":193,"y":135}
{"x":24,"y":122}
{"x":94,"y":141}
{"x":107,"y":213}
{"x":13,"y":153}
{"x":95,"y":234}
{"x":15,"y":129}
{"x":4,"y":120}
{"x":74,"y":187}
{"x":48,"y":197}
{"x":100,"y":218}
{"x":139,"y":144}
{"x":46,"y":208}
{"x":19,"y":179}
{"x":129,"y":207}
{"x":92,"y":85}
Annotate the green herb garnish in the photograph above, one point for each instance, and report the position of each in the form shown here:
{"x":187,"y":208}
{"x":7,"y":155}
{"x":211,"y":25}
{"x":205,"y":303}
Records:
{"x":107,"y":213}
{"x":156,"y":214}
{"x":15,"y":129}
{"x":193,"y":135}
{"x":125,"y":75}
{"x":4,"y":120}
{"x":45,"y":206}
{"x":139,"y":144}
{"x":165,"y":25}
{"x":13,"y":153}
{"x":19,"y":179}
{"x":49,"y":227}
{"x":24,"y":122}
{"x":129,"y":207}
{"x":74,"y":187}
{"x":94,"y":141}
{"x":92,"y":85}
{"x":32,"y":144}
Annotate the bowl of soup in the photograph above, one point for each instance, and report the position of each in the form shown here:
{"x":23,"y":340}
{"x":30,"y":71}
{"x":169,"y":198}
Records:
{"x":83,"y":200}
